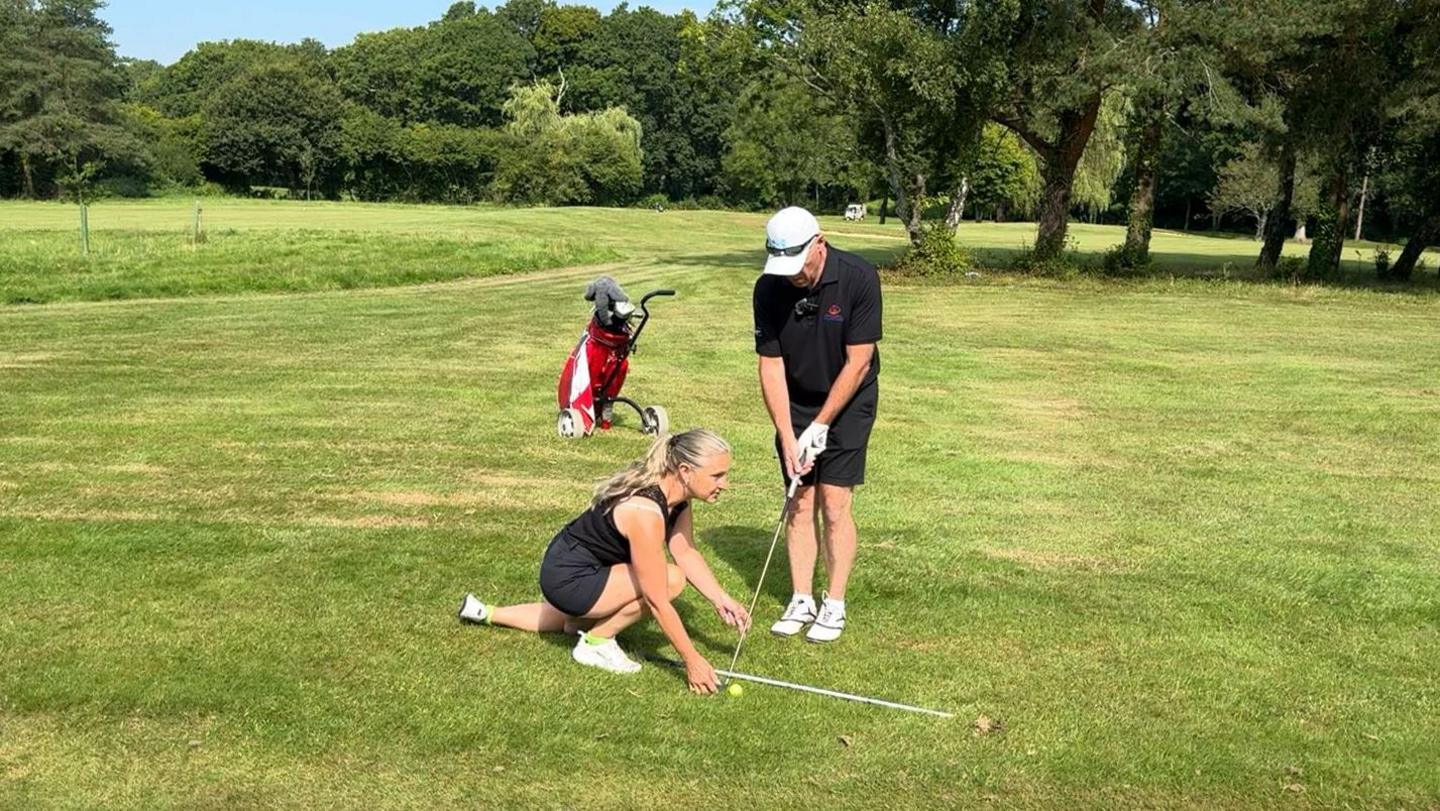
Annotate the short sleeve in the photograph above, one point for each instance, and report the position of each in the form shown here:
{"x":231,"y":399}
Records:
{"x":863,"y":327}
{"x":767,"y":327}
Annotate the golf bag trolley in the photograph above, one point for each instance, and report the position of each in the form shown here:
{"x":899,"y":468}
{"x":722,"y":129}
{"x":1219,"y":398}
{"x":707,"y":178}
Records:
{"x":590,"y":383}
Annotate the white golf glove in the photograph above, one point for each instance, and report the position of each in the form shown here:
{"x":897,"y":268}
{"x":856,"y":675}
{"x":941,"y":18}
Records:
{"x":812,"y":442}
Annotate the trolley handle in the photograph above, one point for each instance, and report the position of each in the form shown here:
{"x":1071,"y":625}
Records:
{"x":653,"y":294}
{"x":645,"y":314}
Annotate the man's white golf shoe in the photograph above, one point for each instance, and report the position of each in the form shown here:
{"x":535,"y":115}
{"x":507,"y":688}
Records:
{"x":829,"y":624}
{"x":799,"y":613}
{"x":606,"y":656}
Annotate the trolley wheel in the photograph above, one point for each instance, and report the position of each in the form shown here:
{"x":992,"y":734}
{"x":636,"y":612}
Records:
{"x":569,"y":424}
{"x":657,"y":420}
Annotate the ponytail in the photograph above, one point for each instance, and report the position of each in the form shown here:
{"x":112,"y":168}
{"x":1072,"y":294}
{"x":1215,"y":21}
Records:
{"x":665,"y":455}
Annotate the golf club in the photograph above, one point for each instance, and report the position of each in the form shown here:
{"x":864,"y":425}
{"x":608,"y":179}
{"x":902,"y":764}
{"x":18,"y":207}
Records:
{"x":785,"y":510}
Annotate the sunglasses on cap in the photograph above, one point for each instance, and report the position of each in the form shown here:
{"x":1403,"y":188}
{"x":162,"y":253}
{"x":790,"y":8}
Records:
{"x":792,"y":251}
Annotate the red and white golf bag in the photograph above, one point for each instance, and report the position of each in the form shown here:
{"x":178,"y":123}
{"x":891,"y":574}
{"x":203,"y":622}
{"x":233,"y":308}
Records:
{"x":595,"y":372}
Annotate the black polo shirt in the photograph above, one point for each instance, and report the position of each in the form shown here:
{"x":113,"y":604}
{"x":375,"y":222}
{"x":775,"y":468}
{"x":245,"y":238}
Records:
{"x":843,"y":309}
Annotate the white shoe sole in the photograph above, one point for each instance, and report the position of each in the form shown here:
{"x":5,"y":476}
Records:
{"x":623,"y":670}
{"x":821,"y":640}
{"x":787,"y":631}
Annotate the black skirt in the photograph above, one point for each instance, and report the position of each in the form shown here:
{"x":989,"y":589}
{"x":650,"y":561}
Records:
{"x":571,"y":577}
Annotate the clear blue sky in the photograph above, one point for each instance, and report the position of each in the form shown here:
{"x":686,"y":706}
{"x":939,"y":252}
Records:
{"x":164,"y":30}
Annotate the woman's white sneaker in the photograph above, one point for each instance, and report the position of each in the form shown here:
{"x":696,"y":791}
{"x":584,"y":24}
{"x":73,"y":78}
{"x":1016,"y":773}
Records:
{"x":606,"y":656}
{"x":799,"y":613}
{"x":829,"y":624}
{"x":472,"y":610}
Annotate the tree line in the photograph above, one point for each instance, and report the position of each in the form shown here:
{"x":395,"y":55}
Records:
{"x":1311,"y":118}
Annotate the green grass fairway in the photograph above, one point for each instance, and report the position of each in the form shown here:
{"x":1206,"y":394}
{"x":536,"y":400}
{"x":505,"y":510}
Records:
{"x":143,"y":250}
{"x":1178,"y":536}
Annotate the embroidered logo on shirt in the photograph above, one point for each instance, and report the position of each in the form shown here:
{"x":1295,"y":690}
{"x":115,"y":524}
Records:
{"x":833,"y":313}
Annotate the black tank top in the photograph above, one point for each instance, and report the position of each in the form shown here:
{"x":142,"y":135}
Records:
{"x":594,"y":530}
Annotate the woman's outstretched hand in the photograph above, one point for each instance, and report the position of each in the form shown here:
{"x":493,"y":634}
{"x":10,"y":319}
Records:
{"x":733,"y":613}
{"x":700,"y":675}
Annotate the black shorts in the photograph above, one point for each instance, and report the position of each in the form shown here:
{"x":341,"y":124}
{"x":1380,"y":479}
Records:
{"x":571,"y":578}
{"x":843,"y":462}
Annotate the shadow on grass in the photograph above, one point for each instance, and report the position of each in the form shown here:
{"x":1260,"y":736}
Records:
{"x":744,"y":548}
{"x":752,"y":261}
{"x":1239,"y":267}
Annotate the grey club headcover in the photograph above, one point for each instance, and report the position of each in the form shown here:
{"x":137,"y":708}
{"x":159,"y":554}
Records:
{"x":607,"y":294}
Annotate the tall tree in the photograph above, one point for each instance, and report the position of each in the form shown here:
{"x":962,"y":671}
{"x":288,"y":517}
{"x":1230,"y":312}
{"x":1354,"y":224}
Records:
{"x":275,"y":123}
{"x":1161,"y":76}
{"x":22,"y":88}
{"x":918,"y":82}
{"x":1414,"y":133}
{"x":781,"y":144}
{"x":1340,"y":110}
{"x":457,"y":70}
{"x":1254,"y":58}
{"x":1004,"y":177}
{"x":59,"y":101}
{"x":1065,"y":55}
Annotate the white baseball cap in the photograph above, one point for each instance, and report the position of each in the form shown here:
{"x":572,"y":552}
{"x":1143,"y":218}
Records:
{"x":789,"y":236}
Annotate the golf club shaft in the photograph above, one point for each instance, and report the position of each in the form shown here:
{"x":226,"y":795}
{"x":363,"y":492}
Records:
{"x":789,"y":495}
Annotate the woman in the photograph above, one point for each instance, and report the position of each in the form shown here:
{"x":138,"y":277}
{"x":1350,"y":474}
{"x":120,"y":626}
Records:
{"x":606,"y":569}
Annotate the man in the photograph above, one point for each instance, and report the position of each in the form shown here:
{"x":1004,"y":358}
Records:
{"x":817,"y":319}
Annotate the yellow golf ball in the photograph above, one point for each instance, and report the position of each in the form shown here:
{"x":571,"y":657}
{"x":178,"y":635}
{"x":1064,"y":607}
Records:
{"x":735,"y":690}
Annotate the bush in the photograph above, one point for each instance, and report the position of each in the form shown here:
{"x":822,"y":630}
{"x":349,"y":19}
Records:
{"x":1384,"y":270}
{"x":1122,"y":260}
{"x":128,"y":186}
{"x":1066,"y":265}
{"x":543,"y":157}
{"x":1292,"y":269}
{"x":937,"y":256}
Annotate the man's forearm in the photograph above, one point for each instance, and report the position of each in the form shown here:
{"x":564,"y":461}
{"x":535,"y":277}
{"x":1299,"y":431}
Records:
{"x":776,"y":394}
{"x":842,"y":390}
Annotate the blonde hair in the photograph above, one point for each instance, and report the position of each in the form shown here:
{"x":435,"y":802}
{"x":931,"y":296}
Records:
{"x":666,"y":455}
